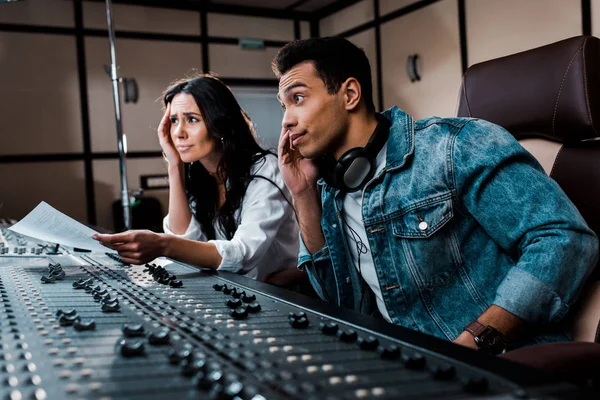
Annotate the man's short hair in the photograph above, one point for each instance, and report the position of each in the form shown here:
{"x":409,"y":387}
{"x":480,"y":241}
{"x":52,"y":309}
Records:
{"x":335,"y":60}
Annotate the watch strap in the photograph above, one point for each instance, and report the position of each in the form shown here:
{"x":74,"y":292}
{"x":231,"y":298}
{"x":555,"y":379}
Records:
{"x":475,"y":328}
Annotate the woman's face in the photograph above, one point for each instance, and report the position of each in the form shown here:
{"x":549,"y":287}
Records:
{"x":189,"y":134}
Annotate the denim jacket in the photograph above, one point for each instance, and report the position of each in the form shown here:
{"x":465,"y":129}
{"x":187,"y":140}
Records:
{"x":498,"y":231}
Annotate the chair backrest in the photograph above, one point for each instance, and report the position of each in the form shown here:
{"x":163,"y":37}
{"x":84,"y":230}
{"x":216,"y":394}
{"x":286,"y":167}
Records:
{"x":549,"y":99}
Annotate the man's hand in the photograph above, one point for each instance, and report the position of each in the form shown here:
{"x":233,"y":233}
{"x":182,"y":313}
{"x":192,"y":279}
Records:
{"x":466,"y":339}
{"x":135,"y":247}
{"x":299,"y":174}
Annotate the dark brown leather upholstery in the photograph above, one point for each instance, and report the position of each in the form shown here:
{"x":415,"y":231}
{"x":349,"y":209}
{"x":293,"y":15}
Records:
{"x":551,"y":91}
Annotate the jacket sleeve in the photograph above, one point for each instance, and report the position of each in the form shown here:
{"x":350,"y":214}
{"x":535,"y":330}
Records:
{"x":529,"y":216}
{"x":318,"y":266}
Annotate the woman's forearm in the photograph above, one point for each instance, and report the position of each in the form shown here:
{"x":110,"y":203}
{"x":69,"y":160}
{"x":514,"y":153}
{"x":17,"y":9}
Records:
{"x":201,"y":254}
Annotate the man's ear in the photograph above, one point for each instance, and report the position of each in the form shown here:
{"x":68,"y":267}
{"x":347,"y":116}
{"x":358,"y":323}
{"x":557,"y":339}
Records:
{"x":352,"y":93}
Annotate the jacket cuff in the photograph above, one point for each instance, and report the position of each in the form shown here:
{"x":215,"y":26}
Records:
{"x":304,"y":255}
{"x":527,"y":297}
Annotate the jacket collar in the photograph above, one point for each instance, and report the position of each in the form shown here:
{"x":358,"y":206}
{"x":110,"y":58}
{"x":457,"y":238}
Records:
{"x":401,"y":143}
{"x":401,"y":140}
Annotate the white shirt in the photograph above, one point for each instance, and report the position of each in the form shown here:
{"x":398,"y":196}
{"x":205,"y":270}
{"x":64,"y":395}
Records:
{"x":352,"y":216}
{"x":266,"y":239}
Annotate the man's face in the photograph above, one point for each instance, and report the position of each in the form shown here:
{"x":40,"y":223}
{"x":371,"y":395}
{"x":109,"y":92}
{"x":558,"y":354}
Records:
{"x":315,"y":119}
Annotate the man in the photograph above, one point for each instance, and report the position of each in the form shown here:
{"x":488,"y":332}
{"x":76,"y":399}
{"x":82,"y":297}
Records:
{"x":444,"y":225}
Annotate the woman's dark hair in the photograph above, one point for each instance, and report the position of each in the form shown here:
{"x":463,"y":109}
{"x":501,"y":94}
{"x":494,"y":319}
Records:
{"x":335,"y":59}
{"x":226,"y":121}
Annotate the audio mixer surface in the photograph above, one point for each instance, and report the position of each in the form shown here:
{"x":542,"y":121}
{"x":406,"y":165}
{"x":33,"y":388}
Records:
{"x":84,"y":326}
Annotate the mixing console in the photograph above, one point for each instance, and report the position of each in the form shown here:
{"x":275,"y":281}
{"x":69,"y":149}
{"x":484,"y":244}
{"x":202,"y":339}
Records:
{"x":14,"y":244}
{"x":86,"y":327}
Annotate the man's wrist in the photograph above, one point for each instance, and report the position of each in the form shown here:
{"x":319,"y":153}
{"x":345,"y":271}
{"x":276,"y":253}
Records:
{"x":487,"y":338}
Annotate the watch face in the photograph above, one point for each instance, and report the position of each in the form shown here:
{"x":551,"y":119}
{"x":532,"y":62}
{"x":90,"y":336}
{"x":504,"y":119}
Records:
{"x":491,"y":341}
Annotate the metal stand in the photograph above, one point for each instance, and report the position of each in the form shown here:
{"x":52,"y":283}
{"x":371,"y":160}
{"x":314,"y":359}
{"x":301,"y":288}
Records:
{"x":120,"y":142}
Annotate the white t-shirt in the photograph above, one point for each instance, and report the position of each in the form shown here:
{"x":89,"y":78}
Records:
{"x":352,"y":215}
{"x":266,"y":239}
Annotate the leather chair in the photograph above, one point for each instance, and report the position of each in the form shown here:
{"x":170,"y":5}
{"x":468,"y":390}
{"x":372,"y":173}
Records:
{"x":548,"y":98}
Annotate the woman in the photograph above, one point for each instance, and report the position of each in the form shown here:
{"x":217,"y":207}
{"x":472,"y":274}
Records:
{"x":228,"y":206}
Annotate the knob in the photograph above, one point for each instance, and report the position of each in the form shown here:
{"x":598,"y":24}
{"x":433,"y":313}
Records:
{"x":176,"y":357}
{"x":390,"y":352}
{"x":299,"y":323}
{"x":206,"y":380}
{"x":226,"y":289}
{"x":329,"y":328}
{"x":475,"y":385}
{"x":347,"y":336}
{"x":218,"y":287}
{"x":85,"y":326}
{"x":65,"y":320}
{"x":100,"y":295}
{"x":48,"y":279}
{"x":58,"y":275}
{"x":239,"y":313}
{"x":248,"y":298}
{"x":368,"y":343}
{"x":191,"y":367}
{"x":415,"y":361}
{"x":234,"y":303}
{"x":70,"y":313}
{"x":159,"y":338}
{"x":237,"y":293}
{"x":174,"y":283}
{"x":127,"y":349}
{"x":133,"y":330}
{"x":297,"y":315}
{"x":443,"y":372}
{"x":253,"y":308}
{"x":78,"y":284}
{"x":111,"y":307}
{"x":232,"y":390}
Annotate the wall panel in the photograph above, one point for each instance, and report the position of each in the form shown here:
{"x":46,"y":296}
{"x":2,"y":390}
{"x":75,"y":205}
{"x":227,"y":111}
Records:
{"x":595,"y":17}
{"x":60,"y":184}
{"x":347,"y":18}
{"x":154,"y":65}
{"x":387,"y":6}
{"x":366,"y":41}
{"x":433,"y":33}
{"x":255,"y":27}
{"x":497,"y":28}
{"x":233,"y":61}
{"x":38,"y":12}
{"x":40,"y":88}
{"x":142,"y":19}
{"x":304,"y":30}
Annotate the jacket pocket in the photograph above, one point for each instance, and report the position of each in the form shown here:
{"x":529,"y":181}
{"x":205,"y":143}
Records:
{"x":427,"y":239}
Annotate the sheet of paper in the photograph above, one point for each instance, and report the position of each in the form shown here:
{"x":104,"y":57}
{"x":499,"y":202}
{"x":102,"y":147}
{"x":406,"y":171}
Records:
{"x":46,"y":223}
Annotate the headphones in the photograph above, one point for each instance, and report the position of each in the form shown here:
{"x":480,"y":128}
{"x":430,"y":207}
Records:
{"x":356,"y":166}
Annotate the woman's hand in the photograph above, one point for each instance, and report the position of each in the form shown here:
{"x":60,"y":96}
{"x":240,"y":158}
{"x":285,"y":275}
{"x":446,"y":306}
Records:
{"x":164,"y":138}
{"x":299,"y":173}
{"x":135,"y":247}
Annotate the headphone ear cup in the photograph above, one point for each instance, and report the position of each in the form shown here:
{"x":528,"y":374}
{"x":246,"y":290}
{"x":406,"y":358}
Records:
{"x":343,"y":165}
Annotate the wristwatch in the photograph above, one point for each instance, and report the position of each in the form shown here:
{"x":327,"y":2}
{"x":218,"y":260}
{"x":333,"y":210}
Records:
{"x":488,"y":339}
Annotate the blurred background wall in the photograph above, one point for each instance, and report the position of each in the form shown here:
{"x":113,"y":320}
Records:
{"x":57,"y":130}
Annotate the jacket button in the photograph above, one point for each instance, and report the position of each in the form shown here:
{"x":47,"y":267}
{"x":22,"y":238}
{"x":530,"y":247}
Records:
{"x":423,"y":225}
